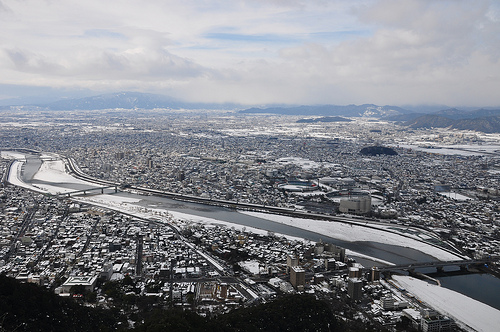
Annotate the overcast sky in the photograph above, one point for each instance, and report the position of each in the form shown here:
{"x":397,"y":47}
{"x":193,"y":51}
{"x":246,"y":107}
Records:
{"x":394,"y":52}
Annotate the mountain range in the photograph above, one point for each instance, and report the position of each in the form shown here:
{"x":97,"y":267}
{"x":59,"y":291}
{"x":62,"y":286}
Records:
{"x":485,"y":124}
{"x":125,"y":100}
{"x":485,"y":120}
{"x":365,"y":110}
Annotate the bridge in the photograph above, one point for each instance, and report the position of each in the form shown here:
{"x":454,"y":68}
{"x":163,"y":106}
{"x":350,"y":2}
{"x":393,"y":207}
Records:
{"x":89,"y":190}
{"x":439,"y":265}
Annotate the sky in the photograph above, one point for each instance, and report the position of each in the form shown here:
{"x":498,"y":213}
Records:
{"x":386,"y":52}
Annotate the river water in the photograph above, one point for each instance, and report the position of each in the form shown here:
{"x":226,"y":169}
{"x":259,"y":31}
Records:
{"x":482,"y":287}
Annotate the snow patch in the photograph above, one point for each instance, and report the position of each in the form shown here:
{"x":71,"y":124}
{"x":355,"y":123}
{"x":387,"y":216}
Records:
{"x":465,"y":310}
{"x":353,"y":233}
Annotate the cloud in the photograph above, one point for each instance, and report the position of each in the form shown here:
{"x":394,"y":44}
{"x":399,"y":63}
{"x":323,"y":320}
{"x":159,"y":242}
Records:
{"x":132,"y":64}
{"x":3,"y":7}
{"x":255,"y":51}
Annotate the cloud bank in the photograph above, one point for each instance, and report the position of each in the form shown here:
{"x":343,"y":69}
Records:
{"x":256,"y":52}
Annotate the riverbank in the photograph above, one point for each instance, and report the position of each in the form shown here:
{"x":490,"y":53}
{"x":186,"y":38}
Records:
{"x":467,"y":312}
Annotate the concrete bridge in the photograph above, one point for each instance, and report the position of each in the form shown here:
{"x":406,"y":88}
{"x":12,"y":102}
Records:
{"x":90,"y":190}
{"x":439,"y":265}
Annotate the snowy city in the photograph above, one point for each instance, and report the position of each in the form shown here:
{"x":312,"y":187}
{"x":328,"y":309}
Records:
{"x":237,"y":220}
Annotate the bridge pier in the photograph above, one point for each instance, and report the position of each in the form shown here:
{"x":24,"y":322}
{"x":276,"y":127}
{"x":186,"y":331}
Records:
{"x":464,"y":268}
{"x":440,"y":269}
{"x":116,"y":189}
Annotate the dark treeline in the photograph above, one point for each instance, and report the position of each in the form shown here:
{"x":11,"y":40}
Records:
{"x":28,"y":307}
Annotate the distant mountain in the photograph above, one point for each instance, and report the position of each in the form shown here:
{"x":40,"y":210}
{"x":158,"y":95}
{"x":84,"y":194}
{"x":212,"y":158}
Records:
{"x":457,"y":114}
{"x":451,"y":113}
{"x":486,"y":124}
{"x":125,"y":100}
{"x":404,"y":117}
{"x":430,"y":121}
{"x":425,"y":109}
{"x":130,"y":100}
{"x":324,"y":119}
{"x":366,"y":110}
{"x":137,"y":100}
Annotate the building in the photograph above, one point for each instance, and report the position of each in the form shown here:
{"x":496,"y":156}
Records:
{"x":291,"y":260}
{"x":329,"y":250}
{"x":355,"y":289}
{"x":375,"y":275}
{"x":414,"y":317}
{"x":387,"y":303}
{"x":356,"y":204}
{"x":87,"y":282}
{"x":431,"y":321}
{"x":355,"y":272}
{"x":298,"y":186}
{"x":297,"y":277}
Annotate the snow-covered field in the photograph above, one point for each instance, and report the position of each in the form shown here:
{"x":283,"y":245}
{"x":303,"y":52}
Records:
{"x":467,"y":312}
{"x":14,"y":176}
{"x":126,"y":205}
{"x":12,"y":155}
{"x":52,"y":172}
{"x":455,"y":196}
{"x":352,"y":233}
{"x":462,"y":150}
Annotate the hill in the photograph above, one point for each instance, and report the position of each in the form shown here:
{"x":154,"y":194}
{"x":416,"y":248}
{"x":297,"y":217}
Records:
{"x":459,"y":120}
{"x":366,"y":110}
{"x":377,"y":150}
{"x":457,"y":114}
{"x":488,"y":124}
{"x":430,"y":121}
{"x":28,"y":307}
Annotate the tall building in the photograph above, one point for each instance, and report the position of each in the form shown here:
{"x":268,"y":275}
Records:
{"x":355,"y":289}
{"x":354,"y":272}
{"x":375,"y":274}
{"x":297,"y":277}
{"x":291,"y":260}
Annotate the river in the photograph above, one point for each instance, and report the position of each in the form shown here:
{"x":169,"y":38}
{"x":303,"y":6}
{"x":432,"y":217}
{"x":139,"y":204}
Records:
{"x":482,"y":287}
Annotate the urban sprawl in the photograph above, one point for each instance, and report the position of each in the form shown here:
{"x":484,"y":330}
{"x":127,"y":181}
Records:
{"x":445,"y":183}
